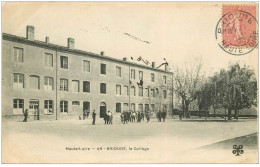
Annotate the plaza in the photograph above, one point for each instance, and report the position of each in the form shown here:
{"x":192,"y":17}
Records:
{"x":173,"y":141}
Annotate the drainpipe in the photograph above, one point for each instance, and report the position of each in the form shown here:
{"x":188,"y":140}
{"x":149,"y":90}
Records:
{"x":129,"y":89}
{"x":56,"y":86}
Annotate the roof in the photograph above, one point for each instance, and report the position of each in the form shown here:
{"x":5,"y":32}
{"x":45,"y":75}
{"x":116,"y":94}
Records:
{"x":42,"y":44}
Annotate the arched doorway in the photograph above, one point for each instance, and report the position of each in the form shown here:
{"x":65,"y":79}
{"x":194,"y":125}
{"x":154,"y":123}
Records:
{"x":103,"y":109}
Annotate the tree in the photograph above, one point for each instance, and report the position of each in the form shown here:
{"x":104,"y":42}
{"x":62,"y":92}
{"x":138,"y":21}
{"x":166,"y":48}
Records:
{"x":188,"y":82}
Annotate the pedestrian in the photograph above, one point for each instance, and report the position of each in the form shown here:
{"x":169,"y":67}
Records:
{"x":142,"y":115}
{"x":94,"y":117}
{"x":160,"y":115}
{"x":163,"y":115}
{"x":25,"y":115}
{"x":139,"y":117}
{"x":106,"y":117}
{"x":147,"y":115}
{"x":84,"y":114}
{"x":133,"y":116}
{"x":111,"y":118}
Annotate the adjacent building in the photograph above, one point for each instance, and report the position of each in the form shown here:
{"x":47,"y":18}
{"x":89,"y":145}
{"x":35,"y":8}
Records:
{"x":56,"y":82}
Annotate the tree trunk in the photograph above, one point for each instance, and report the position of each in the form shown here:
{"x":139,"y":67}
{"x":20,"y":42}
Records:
{"x":225,"y":113}
{"x":214,"y":112}
{"x":236,"y":114}
{"x":199,"y":113}
{"x":187,"y":109}
{"x":229,"y":114}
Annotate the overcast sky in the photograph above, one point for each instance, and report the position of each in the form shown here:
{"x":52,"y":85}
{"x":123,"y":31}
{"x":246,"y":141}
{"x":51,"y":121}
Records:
{"x":175,"y":31}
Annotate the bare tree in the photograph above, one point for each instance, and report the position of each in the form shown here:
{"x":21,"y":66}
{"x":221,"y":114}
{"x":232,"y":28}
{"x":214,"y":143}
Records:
{"x":188,"y":81}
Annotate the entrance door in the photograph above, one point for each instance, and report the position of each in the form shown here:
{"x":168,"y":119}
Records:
{"x":103,"y":109}
{"x":34,"y":109}
{"x":86,"y":105}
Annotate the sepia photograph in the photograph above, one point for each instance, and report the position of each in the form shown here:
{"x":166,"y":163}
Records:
{"x":130,"y":82}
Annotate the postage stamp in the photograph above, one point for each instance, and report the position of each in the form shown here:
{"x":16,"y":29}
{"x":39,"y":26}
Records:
{"x":236,"y":31}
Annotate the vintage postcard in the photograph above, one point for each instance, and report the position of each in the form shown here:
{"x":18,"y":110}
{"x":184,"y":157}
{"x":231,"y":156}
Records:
{"x":130,"y":82}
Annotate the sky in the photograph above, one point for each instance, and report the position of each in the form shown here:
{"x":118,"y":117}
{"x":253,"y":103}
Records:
{"x":176,"y":31}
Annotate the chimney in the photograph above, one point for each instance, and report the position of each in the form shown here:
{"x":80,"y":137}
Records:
{"x":153,"y":64}
{"x":30,"y":32}
{"x":166,"y":67}
{"x":47,"y":39}
{"x":71,"y":43}
{"x":124,"y":59}
{"x":102,"y":53}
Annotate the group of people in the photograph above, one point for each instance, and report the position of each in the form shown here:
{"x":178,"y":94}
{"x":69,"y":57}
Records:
{"x":132,"y":116}
{"x":161,"y":115}
{"x":108,"y":117}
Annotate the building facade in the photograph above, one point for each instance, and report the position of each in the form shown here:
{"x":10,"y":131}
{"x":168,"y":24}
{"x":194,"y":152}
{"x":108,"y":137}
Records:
{"x":56,"y":82}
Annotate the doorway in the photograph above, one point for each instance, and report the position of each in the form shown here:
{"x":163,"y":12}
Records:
{"x":34,"y":109}
{"x":103,"y":109}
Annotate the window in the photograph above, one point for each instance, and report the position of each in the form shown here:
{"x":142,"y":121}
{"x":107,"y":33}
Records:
{"x":18,"y":80}
{"x":118,"y":107}
{"x":103,"y":68}
{"x":164,"y":94}
{"x":86,"y":65}
{"x":152,"y":93}
{"x":86,"y":86}
{"x":132,"y":74}
{"x":48,"y":107}
{"x":75,"y":103}
{"x":133,"y":90}
{"x":140,"y":107}
{"x":118,"y":71}
{"x":48,"y":60}
{"x":140,"y":91}
{"x":147,"y":92}
{"x":63,"y":84}
{"x":118,"y":89}
{"x":18,"y":54}
{"x":164,"y":79}
{"x":146,"y":107}
{"x":75,"y":86}
{"x":165,"y":107}
{"x":48,"y":83}
{"x":64,"y":62}
{"x":152,"y":77}
{"x":125,"y":90}
{"x":18,"y":106}
{"x":133,"y":106}
{"x":103,"y":89}
{"x":64,"y":106}
{"x":140,"y":75}
{"x":34,"y":82}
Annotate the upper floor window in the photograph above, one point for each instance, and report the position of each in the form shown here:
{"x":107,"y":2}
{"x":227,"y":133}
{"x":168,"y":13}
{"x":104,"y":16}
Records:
{"x":118,"y":89}
{"x":147,"y":92}
{"x":152,"y":77}
{"x":103,"y":68}
{"x":18,"y":80}
{"x":34,"y":82}
{"x":141,"y":75}
{"x":75,"y":86}
{"x":164,"y":94}
{"x":48,"y":60}
{"x":86,"y":86}
{"x":86,"y":65}
{"x":63,"y":84}
{"x":103,"y":89}
{"x":125,"y":90}
{"x":48,"y":83}
{"x":164,"y":79}
{"x":140,"y":91}
{"x":64,"y":62}
{"x":132,"y":74}
{"x":133,"y":90}
{"x":152,"y":93}
{"x":118,"y":71}
{"x":18,"y":54}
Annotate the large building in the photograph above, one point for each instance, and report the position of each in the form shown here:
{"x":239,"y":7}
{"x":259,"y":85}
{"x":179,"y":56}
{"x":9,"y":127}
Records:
{"x":56,"y":82}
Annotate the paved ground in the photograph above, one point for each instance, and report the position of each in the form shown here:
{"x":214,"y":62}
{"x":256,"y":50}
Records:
{"x":173,"y":141}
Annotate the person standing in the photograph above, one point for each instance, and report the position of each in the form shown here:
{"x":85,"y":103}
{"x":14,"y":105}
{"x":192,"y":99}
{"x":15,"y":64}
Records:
{"x":25,"y":115}
{"x":84,"y":114}
{"x":160,"y":115}
{"x":94,"y":117}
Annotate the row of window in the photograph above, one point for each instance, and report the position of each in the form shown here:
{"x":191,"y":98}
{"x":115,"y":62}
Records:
{"x":18,"y":57}
{"x":34,"y":83}
{"x":18,"y":106}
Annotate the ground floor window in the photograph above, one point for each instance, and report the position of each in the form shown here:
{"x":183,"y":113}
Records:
{"x":64,"y":106}
{"x":18,"y":105}
{"x":118,"y":107}
{"x":133,"y":106}
{"x":140,"y":107}
{"x":48,"y":107}
{"x":75,"y":103}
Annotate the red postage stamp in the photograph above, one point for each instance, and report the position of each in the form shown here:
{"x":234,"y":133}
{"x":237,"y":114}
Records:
{"x":237,"y":29}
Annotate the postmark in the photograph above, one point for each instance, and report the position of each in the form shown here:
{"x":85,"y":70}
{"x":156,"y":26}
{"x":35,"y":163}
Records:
{"x":236,"y":32}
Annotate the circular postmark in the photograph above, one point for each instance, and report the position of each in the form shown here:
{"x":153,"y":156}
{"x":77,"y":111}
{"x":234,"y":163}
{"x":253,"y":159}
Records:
{"x":236,"y":32}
